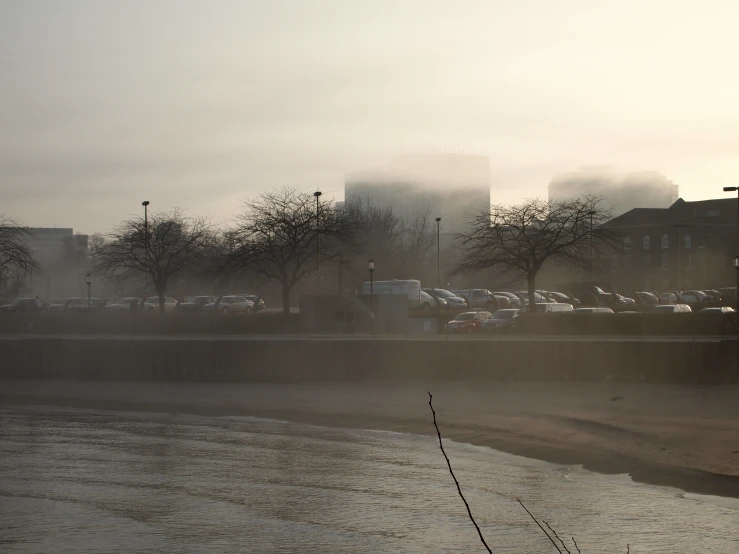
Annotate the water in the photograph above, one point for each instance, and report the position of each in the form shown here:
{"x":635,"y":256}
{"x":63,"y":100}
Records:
{"x":84,"y":482}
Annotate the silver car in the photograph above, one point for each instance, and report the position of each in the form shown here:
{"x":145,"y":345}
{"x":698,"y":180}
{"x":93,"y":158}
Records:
{"x":231,"y":305}
{"x":152,"y":305}
{"x":502,"y":321}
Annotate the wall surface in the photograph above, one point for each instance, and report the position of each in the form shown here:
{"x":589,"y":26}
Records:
{"x":302,"y":359}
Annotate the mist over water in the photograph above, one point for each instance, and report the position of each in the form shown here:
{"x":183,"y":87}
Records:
{"x":82,"y":481}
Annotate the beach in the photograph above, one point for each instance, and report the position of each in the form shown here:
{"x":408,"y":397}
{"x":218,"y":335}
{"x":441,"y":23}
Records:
{"x":671,"y":435}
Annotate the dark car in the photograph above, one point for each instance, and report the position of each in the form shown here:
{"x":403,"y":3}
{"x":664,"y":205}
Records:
{"x":467,"y":322}
{"x":22,"y":306}
{"x":646,"y":299}
{"x":194,"y":304}
{"x":98,"y":304}
{"x":59,"y":306}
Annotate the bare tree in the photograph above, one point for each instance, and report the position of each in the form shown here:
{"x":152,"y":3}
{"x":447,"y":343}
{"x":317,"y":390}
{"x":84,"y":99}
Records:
{"x":16,"y":259}
{"x":175,"y":242}
{"x":277,"y":237}
{"x":399,"y":245}
{"x":520,"y":239}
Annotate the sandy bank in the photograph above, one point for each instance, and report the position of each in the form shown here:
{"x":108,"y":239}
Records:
{"x":681,"y":436}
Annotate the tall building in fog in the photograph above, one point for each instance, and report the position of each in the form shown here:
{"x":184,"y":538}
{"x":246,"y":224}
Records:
{"x":621,"y":191}
{"x":450,"y":186}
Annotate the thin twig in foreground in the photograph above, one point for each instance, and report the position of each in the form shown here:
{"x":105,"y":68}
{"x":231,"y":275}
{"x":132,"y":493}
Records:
{"x":540,"y":527}
{"x":459,"y":489}
{"x":556,"y":535}
{"x":578,"y":548}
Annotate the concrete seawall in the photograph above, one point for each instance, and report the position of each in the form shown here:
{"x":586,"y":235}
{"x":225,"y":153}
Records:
{"x":295,"y":360}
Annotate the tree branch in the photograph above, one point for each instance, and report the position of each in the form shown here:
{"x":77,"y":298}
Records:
{"x":459,"y":489}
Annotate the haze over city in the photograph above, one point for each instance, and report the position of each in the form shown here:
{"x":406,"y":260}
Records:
{"x":200,"y":105}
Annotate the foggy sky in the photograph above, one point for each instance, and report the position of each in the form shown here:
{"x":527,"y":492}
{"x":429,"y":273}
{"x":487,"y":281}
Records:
{"x":200,"y":104}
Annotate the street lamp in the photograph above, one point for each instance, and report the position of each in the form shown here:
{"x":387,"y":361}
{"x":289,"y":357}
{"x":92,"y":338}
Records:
{"x":317,"y":194}
{"x":145,"y":204}
{"x":88,"y":280}
{"x":371,"y":268}
{"x":438,"y":252}
{"x":591,"y":213}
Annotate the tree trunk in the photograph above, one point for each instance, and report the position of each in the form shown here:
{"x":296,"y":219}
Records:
{"x":531,"y":280}
{"x":161,"y":301}
{"x":286,"y":299}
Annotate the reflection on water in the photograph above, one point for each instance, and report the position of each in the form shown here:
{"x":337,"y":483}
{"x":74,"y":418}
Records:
{"x":77,"y":482}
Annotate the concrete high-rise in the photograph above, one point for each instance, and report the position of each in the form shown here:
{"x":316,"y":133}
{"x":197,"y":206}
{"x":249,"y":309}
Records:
{"x":621,"y":191}
{"x":450,"y":186}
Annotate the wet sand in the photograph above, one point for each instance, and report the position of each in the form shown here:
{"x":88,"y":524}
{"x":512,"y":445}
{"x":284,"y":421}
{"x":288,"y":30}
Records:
{"x":681,"y":436}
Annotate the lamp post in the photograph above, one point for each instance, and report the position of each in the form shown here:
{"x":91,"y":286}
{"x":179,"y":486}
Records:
{"x":591,"y":213}
{"x":371,"y":268}
{"x":145,"y":204}
{"x":88,"y":280}
{"x":438,"y":252}
{"x":317,"y":194}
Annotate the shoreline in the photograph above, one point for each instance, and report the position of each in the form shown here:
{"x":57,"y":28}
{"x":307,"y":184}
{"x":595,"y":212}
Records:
{"x":685,"y":437}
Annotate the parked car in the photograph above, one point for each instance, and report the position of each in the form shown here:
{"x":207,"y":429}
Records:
{"x":123,"y":306}
{"x":696,"y":299}
{"x":478,"y":298}
{"x":58,"y":307}
{"x":670,"y":298}
{"x":563,"y":298}
{"x":624,"y":299}
{"x":453,"y":301}
{"x":231,"y":305}
{"x":504,"y":302}
{"x":671,"y":308}
{"x":550,"y":307}
{"x":429,"y":303}
{"x":152,"y":304}
{"x":467,"y":322}
{"x":22,"y":305}
{"x":259,"y":304}
{"x":716,"y":310}
{"x":646,"y":299}
{"x":523,"y":295}
{"x":594,"y":310}
{"x":500,"y":322}
{"x":513,"y":300}
{"x":714,"y":297}
{"x":194,"y":304}
{"x":98,"y":304}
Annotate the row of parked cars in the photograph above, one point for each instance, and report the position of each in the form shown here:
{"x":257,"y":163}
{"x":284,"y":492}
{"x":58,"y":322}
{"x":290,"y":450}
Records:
{"x":236,"y":304}
{"x":504,"y":319}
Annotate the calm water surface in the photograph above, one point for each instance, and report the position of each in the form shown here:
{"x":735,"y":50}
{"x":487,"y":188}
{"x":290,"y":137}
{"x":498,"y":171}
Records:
{"x":98,"y":482}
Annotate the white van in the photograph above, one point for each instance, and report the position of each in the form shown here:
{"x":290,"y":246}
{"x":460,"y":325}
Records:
{"x":409,"y":288}
{"x":548,"y":307}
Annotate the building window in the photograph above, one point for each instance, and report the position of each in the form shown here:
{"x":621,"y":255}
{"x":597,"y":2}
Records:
{"x":646,"y":243}
{"x":627,"y":243}
{"x":688,"y":262}
{"x":665,"y":262}
{"x":665,"y":241}
{"x":688,"y":241}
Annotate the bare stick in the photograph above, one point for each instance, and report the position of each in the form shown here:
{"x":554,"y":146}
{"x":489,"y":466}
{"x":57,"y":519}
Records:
{"x":578,"y":548}
{"x":459,"y":489}
{"x":540,"y":527}
{"x":556,"y":535}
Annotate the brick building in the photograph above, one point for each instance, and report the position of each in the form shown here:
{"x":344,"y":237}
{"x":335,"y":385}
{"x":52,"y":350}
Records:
{"x":687,"y":245}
